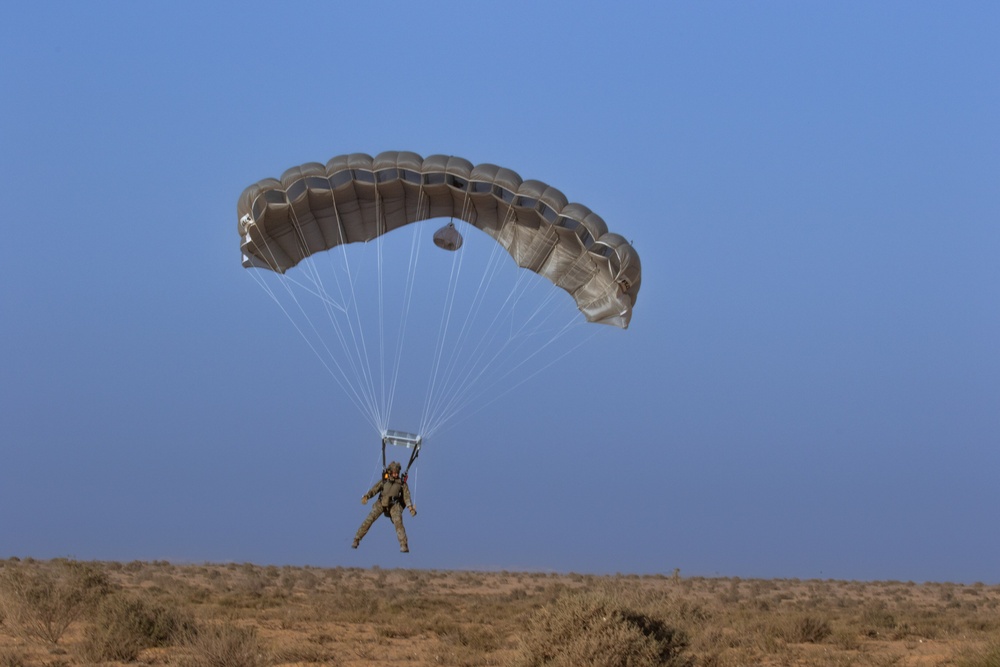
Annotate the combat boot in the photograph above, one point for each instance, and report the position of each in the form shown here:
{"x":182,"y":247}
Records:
{"x":355,"y":543}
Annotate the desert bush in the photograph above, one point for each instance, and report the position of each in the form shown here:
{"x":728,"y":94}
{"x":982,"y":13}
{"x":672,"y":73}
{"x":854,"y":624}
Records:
{"x":199,"y":595}
{"x":876,"y":620}
{"x":124,"y":625}
{"x":846,"y":639}
{"x":307,"y":581}
{"x":40,"y":601}
{"x":11,"y":659}
{"x":808,"y":629}
{"x":479,"y":638}
{"x":597,"y":629}
{"x":692,"y":612}
{"x":986,"y":656}
{"x":352,"y":606}
{"x":307,"y":653}
{"x":394,"y":630}
{"x":229,"y":645}
{"x":467,"y":644}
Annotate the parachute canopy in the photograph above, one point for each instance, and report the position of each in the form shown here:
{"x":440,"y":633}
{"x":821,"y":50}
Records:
{"x":356,"y":198}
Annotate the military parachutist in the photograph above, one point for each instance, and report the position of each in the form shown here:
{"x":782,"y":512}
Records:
{"x":393,"y":497}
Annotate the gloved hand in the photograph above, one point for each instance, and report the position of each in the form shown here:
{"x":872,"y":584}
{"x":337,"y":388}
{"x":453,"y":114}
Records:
{"x":413,"y":511}
{"x":364,"y":500}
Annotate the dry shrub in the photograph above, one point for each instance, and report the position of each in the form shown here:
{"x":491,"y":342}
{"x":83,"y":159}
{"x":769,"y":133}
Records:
{"x":309,"y":653}
{"x":352,"y":606}
{"x":229,"y":645}
{"x":597,"y":629}
{"x":986,"y":656}
{"x":40,"y":601}
{"x":846,"y":639}
{"x":808,"y":630}
{"x":477,"y":638}
{"x":11,"y":659}
{"x":877,"y":621}
{"x":124,"y":625}
{"x":395,"y":630}
{"x":307,"y":581}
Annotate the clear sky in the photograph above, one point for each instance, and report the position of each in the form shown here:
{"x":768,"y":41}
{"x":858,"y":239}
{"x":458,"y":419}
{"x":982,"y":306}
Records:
{"x":811,"y":383}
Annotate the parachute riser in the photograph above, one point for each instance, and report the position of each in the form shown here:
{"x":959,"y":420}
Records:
{"x":411,"y":441}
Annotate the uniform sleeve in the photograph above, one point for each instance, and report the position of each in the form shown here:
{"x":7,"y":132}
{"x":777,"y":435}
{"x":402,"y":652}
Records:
{"x":372,"y":492}
{"x":406,"y":495}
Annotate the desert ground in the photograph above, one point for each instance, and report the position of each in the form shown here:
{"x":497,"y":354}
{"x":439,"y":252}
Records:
{"x":64,"y":612}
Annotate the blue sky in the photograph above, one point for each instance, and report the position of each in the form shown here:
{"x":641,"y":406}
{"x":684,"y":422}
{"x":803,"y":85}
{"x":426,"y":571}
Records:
{"x":811,"y":383}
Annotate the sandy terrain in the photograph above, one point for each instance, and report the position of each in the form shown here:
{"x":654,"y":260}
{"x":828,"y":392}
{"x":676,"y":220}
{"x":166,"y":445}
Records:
{"x":235,"y":614}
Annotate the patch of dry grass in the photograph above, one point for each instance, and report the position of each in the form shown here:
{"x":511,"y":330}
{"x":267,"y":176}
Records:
{"x":244,"y":614}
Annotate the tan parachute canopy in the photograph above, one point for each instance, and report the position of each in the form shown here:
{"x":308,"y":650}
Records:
{"x":356,"y":197}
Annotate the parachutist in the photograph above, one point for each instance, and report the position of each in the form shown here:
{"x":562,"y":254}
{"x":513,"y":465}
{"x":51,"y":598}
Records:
{"x":393,"y":497}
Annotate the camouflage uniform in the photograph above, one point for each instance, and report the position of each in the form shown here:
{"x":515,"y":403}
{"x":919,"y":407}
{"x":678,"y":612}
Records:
{"x":393,"y":498}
